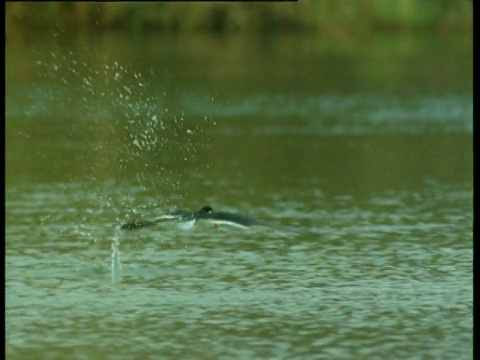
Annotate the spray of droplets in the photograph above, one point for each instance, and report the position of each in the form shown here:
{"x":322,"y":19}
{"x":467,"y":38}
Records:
{"x":142,"y":143}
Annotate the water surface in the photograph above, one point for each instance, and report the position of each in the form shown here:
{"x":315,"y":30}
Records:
{"x":358,"y":153}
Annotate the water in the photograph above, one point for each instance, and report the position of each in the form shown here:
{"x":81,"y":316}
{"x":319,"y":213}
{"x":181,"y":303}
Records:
{"x":361,"y":162}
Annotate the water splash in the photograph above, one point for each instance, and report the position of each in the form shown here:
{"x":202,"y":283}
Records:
{"x":116,"y":265}
{"x":139,"y":137}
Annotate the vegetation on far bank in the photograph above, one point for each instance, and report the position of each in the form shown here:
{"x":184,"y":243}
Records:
{"x":342,"y":16}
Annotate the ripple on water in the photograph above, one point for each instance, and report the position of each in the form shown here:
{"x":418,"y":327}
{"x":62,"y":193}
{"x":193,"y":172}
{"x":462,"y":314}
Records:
{"x":358,"y":280}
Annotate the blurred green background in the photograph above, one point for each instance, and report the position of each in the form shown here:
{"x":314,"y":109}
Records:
{"x":341,"y":17}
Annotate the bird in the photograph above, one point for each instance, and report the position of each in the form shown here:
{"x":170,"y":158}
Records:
{"x":227,"y":218}
{"x":186,"y":219}
{"x":180,"y":216}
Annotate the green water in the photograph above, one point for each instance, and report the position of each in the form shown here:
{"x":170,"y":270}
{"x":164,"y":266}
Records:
{"x":358,"y":152}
